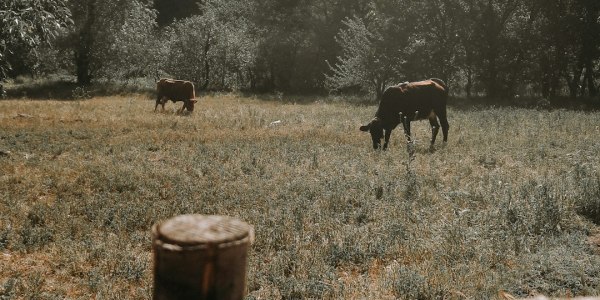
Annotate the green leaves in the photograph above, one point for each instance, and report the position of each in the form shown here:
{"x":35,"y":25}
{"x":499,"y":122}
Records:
{"x":26,"y":24}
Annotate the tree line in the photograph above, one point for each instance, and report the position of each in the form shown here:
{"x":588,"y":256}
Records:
{"x":491,"y":48}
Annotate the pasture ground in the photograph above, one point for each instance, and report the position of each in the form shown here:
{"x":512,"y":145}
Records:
{"x":506,"y":207}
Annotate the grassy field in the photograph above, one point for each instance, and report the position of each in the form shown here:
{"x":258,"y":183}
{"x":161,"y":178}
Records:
{"x":509,"y":205}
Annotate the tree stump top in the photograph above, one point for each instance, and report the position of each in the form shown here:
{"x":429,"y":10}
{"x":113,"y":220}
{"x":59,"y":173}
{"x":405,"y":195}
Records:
{"x":202,"y":230}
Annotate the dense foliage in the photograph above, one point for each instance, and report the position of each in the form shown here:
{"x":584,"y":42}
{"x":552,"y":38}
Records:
{"x":494,"y":48}
{"x":24,"y":26}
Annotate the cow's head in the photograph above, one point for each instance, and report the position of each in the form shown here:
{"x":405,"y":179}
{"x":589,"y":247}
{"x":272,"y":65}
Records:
{"x":189,"y":105}
{"x":376,"y":130}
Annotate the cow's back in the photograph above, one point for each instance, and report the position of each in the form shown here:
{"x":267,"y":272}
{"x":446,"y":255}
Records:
{"x":409,"y":98}
{"x":441,"y":84}
{"x":176,"y":90}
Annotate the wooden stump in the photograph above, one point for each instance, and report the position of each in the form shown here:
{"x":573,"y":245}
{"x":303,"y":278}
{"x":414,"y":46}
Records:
{"x":200,"y":257}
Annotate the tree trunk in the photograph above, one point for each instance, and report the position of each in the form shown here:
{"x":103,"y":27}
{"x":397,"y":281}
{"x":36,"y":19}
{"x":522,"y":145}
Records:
{"x":545,"y":77}
{"x":84,"y":46}
{"x":491,"y":82}
{"x":206,"y":64}
{"x":469,"y":86}
{"x":574,"y":82}
{"x":545,"y":86}
{"x":469,"y":69}
{"x":589,"y":77}
{"x":379,"y":89}
{"x":82,"y":61}
{"x":554,"y":85}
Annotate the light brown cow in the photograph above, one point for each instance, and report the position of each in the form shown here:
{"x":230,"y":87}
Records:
{"x":175,"y":90}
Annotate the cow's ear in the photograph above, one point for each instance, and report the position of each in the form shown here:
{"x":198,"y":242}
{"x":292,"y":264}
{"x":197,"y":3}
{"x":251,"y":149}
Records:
{"x":365,"y":127}
{"x":194,"y":101}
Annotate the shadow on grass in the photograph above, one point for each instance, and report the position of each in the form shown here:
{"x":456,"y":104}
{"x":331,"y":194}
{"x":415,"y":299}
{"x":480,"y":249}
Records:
{"x":65,"y":88}
{"x":279,"y":97}
{"x":477,"y":103}
{"x":456,"y":103}
{"x":62,"y":89}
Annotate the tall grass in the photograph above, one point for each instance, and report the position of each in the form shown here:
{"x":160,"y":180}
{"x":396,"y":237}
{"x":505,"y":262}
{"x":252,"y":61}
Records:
{"x":507,"y":205}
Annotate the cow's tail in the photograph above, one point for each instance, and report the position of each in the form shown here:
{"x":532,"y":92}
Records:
{"x":442,"y":83}
{"x":442,"y":113}
{"x":159,"y":94}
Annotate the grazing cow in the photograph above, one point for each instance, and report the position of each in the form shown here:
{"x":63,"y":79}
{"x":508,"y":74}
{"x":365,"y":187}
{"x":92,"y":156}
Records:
{"x":408,"y":102}
{"x":175,"y":90}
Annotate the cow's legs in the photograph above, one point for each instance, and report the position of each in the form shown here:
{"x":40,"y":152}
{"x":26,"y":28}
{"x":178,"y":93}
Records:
{"x":160,"y":101}
{"x":444,"y":121}
{"x":445,"y":126}
{"x":386,"y":141}
{"x":406,"y":124}
{"x":435,"y":127}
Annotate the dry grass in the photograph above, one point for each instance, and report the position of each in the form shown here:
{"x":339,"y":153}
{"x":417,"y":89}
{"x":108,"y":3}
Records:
{"x":507,"y":206}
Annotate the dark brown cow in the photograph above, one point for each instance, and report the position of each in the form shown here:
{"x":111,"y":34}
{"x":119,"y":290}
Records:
{"x":175,"y":90}
{"x":408,"y":102}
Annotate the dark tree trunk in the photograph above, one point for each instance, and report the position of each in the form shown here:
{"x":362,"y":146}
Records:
{"x":82,"y":61}
{"x":492,"y":82}
{"x":589,"y":79}
{"x":206,"y":64}
{"x":379,"y":88}
{"x":545,"y":76}
{"x":469,"y":84}
{"x":545,"y":87}
{"x":554,"y":84}
{"x":574,"y":82}
{"x":84,"y":46}
{"x":469,"y":69}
